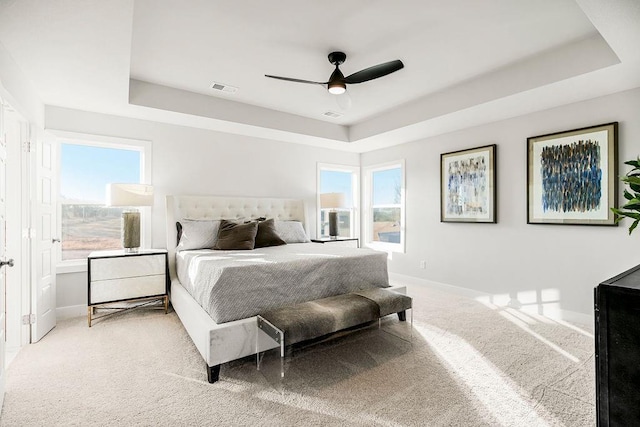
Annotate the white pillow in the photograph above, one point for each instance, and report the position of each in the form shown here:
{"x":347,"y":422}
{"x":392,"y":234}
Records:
{"x":198,"y":234}
{"x":291,"y":231}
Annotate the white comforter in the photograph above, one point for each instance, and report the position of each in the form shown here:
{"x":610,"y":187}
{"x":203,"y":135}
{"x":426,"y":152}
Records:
{"x":233,"y":285}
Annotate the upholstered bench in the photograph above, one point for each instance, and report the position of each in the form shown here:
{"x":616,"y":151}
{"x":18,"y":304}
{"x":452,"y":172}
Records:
{"x":314,"y":319}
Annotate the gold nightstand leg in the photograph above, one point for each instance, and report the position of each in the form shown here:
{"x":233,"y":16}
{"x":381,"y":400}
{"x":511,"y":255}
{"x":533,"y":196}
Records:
{"x":89,"y":311}
{"x":166,"y":304}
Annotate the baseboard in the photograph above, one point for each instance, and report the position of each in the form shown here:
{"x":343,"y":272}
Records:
{"x":565,"y":315}
{"x":71,"y":311}
{"x":397,"y":279}
{"x":576,"y":317}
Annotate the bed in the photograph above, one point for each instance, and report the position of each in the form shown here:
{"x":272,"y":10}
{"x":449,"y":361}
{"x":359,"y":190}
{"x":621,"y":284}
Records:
{"x":217,"y":294}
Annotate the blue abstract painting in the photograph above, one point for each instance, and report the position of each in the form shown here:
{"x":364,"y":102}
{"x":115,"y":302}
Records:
{"x":571,"y":177}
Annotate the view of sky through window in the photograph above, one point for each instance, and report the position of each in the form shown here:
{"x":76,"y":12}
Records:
{"x":337,"y":182}
{"x":387,"y":186}
{"x":85,"y":170}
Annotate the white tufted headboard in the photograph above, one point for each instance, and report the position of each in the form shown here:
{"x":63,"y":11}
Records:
{"x":221,"y":207}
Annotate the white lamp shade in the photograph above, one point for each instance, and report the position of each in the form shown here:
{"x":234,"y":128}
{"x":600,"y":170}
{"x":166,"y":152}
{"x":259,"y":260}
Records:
{"x":333,"y":200}
{"x":129,"y":195}
{"x":337,"y":88}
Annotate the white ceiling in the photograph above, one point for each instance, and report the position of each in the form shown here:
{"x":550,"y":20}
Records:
{"x":466,"y":62}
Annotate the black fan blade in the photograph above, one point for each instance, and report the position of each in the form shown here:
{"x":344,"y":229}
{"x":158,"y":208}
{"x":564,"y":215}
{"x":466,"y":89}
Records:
{"x":288,"y":79}
{"x":374,"y":72}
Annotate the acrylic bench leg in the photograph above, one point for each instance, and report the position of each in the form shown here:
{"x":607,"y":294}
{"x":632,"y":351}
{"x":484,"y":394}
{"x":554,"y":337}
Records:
{"x":402,"y":315}
{"x":213,"y":373}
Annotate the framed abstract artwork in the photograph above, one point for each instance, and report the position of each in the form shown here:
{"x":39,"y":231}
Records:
{"x":468,"y":185}
{"x":572,"y":176}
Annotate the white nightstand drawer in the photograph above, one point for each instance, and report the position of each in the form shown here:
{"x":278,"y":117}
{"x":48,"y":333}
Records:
{"x":127,"y":266}
{"x":127,"y":288}
{"x":119,"y":276}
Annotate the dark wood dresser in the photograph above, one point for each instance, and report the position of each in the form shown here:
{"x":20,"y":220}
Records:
{"x":617,"y":341}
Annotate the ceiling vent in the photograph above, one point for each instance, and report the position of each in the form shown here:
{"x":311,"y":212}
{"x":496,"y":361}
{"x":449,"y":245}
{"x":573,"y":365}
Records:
{"x":332,"y":114}
{"x":223,"y":87}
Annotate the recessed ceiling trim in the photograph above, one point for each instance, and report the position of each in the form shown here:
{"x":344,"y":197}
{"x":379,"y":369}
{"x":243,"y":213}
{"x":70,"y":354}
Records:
{"x":571,"y":60}
{"x":160,"y":97}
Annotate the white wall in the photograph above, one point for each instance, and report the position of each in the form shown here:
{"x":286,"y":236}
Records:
{"x":19,"y":91}
{"x":196,"y":161}
{"x":528,"y":263}
{"x":511,"y":258}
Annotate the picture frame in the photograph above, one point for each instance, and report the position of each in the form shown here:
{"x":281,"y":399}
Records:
{"x":468,"y":185}
{"x":572,"y":176}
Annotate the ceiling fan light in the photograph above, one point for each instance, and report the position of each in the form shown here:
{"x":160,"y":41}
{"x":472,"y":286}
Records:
{"x":337,"y":88}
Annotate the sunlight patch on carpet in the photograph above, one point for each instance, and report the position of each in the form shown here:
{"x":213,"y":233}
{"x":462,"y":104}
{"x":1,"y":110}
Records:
{"x":539,"y":337}
{"x":502,"y":401}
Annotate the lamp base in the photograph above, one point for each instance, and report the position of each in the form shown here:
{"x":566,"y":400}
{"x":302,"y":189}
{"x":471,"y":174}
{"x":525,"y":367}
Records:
{"x":131,"y":231}
{"x":333,"y":224}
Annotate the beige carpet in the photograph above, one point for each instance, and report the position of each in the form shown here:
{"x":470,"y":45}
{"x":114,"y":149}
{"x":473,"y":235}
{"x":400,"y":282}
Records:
{"x":469,"y":365}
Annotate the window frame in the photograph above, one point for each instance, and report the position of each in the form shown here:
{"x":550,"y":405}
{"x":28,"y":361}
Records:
{"x":355,"y":190}
{"x":368,"y":172}
{"x":142,"y":146}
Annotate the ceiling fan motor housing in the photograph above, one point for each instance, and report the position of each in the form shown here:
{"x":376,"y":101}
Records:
{"x":336,"y":84}
{"x":337,"y":58}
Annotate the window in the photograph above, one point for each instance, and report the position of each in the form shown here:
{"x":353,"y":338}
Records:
{"x":385,"y":206}
{"x":86,"y":166}
{"x":339,"y":179}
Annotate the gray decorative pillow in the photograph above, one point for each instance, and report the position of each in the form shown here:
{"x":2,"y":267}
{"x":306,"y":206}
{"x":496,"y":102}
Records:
{"x":197,"y":234}
{"x":267,"y":235}
{"x":291,"y":231}
{"x":236,"y":236}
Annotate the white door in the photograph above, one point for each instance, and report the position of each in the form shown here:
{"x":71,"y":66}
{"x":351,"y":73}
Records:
{"x":17,"y":244}
{"x":5,"y":263}
{"x":43,"y":222}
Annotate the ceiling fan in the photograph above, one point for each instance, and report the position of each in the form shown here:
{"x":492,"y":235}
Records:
{"x":337,"y":83}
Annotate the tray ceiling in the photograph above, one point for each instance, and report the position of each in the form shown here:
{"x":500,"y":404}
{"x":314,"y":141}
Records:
{"x":466,"y":62}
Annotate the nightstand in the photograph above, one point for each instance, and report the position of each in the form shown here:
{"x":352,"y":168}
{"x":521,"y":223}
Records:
{"x":352,"y":242}
{"x":119,"y":277}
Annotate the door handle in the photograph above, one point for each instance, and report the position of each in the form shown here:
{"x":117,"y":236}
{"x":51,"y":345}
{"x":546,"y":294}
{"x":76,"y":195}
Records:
{"x":54,"y":240}
{"x":9,"y":263}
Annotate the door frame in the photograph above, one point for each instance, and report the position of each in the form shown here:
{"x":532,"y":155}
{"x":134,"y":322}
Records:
{"x":18,"y":240}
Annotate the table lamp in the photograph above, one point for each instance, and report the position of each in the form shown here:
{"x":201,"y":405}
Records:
{"x":333,"y":201}
{"x":130,"y":196}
